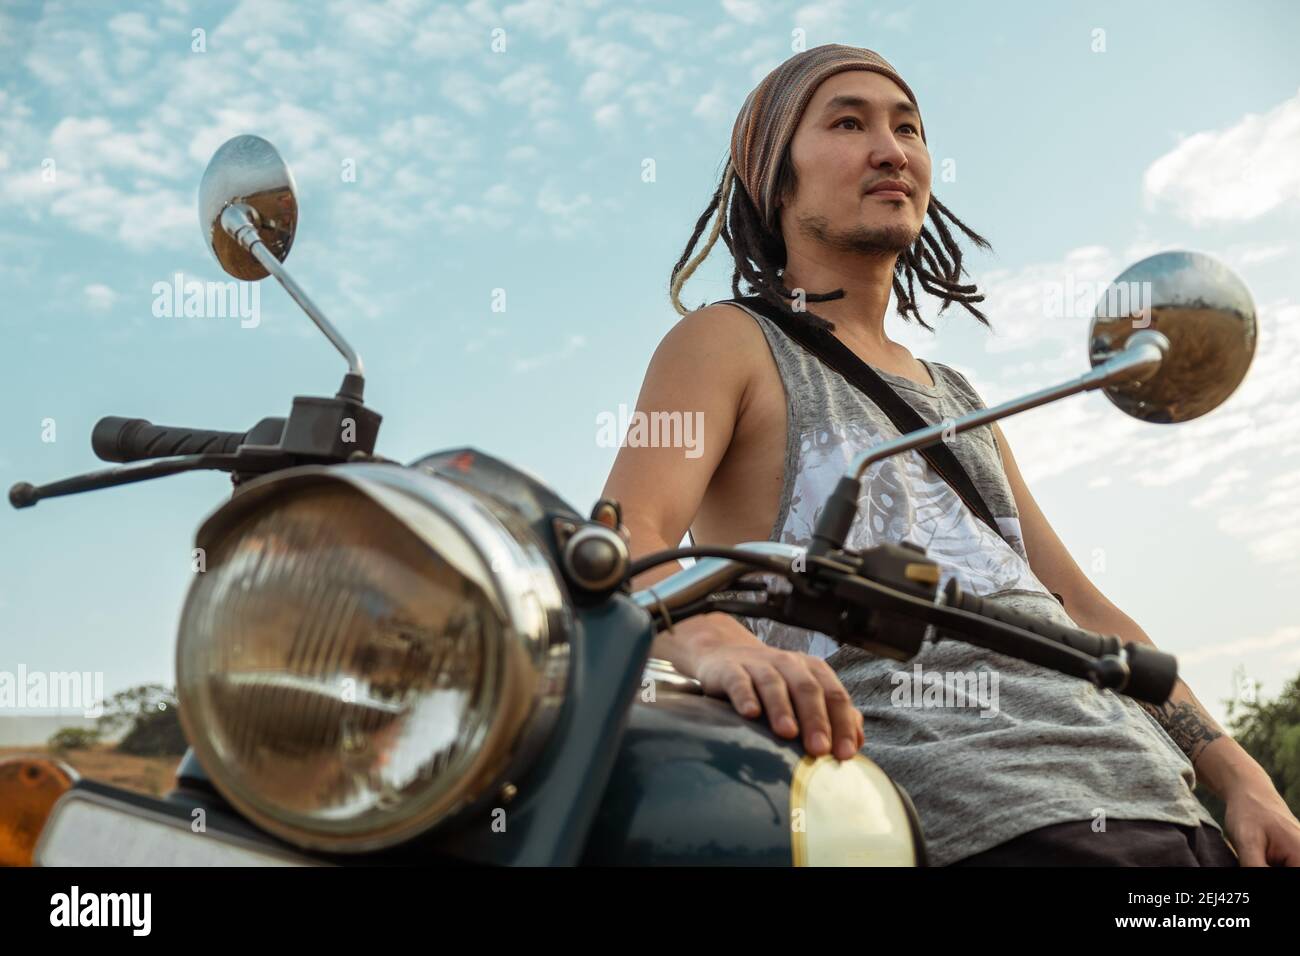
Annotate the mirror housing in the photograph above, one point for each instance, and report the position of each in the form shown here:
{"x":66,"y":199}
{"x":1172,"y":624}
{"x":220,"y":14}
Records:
{"x":250,"y":171}
{"x":1207,"y":314}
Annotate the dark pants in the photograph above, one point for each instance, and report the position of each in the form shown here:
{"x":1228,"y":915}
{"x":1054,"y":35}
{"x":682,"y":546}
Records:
{"x":1124,"y":843}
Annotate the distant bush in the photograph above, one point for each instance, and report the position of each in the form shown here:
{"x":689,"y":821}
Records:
{"x":147,"y":719}
{"x":155,"y":734}
{"x":74,"y":738}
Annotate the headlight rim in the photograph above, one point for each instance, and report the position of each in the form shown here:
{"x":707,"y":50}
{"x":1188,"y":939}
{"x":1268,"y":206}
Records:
{"x":507,"y":749}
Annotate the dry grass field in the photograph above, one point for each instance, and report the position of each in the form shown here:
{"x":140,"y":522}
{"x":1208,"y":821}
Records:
{"x":152,"y":775}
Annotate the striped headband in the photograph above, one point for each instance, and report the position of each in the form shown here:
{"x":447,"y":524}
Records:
{"x":765,"y":127}
{"x":773,"y":109}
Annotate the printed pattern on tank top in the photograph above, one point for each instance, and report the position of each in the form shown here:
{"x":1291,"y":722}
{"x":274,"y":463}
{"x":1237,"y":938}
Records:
{"x":902,"y":498}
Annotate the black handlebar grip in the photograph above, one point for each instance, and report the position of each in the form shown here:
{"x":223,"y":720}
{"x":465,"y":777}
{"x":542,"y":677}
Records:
{"x":1152,"y":673}
{"x":132,"y":439}
{"x":1089,"y":642}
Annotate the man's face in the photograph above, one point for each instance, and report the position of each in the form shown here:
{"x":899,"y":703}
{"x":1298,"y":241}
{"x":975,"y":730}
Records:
{"x":858,"y":131}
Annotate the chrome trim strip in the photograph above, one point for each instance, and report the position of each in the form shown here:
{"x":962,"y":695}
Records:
{"x":210,"y":847}
{"x":667,"y":677}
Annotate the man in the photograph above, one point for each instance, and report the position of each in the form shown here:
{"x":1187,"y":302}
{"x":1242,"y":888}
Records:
{"x":824,"y":203}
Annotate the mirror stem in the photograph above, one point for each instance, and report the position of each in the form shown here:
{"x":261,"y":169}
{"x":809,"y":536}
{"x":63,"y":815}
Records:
{"x":1142,"y":354}
{"x":239,"y":221}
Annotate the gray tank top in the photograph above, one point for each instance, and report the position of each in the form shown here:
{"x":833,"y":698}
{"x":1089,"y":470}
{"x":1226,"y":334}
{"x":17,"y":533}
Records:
{"x":988,"y":746}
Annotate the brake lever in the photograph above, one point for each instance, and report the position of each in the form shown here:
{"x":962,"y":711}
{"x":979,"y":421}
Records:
{"x":24,"y":494}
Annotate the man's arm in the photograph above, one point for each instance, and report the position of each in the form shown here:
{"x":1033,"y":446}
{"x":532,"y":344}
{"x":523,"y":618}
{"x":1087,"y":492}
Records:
{"x":704,"y":366}
{"x":1265,"y":826}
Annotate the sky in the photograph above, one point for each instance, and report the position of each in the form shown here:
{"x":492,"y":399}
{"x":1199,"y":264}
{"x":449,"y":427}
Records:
{"x":554,"y":157}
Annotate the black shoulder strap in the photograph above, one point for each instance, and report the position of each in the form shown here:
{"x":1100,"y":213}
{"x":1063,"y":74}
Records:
{"x":835,"y":354}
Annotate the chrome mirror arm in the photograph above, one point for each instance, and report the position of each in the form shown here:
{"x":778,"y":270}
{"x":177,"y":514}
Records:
{"x":1143,"y":353}
{"x":1141,"y":356}
{"x":239,"y":221}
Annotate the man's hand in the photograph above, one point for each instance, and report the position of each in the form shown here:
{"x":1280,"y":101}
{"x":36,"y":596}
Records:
{"x":797,"y":691}
{"x":1262,"y":829}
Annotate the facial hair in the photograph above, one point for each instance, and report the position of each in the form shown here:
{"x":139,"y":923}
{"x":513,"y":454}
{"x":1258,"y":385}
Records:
{"x":864,"y":240}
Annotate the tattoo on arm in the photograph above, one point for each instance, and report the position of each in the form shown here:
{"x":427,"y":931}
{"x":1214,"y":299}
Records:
{"x":1186,"y":725}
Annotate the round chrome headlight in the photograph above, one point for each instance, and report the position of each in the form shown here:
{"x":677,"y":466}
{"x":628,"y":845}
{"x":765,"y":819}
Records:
{"x":367,"y":650}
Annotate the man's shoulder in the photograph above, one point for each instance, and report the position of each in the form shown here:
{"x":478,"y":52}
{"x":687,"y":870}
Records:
{"x":724,"y":313}
{"x":719,"y":348}
{"x":718,"y":327}
{"x":958,"y":382}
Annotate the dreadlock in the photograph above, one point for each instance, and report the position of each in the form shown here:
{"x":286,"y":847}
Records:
{"x":935,"y":262}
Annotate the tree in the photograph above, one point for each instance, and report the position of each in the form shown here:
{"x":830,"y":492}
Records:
{"x":1270,"y":732}
{"x":150,"y":717}
{"x":125,"y":708}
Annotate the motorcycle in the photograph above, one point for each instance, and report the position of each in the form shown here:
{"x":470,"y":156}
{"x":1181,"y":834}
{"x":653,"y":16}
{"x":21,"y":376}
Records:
{"x":444,"y":662}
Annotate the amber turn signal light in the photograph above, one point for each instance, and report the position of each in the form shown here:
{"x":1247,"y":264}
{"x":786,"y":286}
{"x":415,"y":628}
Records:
{"x":29,"y":788}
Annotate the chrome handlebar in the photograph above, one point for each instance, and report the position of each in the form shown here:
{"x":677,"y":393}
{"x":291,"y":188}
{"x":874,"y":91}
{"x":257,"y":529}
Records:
{"x":707,"y":575}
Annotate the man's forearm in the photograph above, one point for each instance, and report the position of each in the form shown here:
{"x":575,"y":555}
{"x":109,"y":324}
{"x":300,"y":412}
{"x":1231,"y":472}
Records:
{"x":1186,"y":721}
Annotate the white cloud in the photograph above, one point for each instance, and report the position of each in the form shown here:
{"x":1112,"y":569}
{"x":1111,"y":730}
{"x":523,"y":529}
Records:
{"x":99,"y":296}
{"x":356,"y":290}
{"x":545,"y":18}
{"x":607,"y":115}
{"x":492,"y":332}
{"x":573,"y":345}
{"x":452,"y":33}
{"x":665,"y":31}
{"x":91,"y":204}
{"x":749,"y":12}
{"x":262,"y":18}
{"x":612,"y":56}
{"x":1281,"y":637}
{"x":1221,"y":485}
{"x":466,"y":92}
{"x":502,"y":194}
{"x":93,"y":143}
{"x":1266,"y":515}
{"x":713,"y":105}
{"x":824,"y":22}
{"x":566,"y":213}
{"x":131,"y":26}
{"x":599,"y":85}
{"x":1232,"y":175}
{"x":9,"y":35}
{"x":900,"y":20}
{"x":378,"y":24}
{"x":1046,"y":303}
{"x":1259,"y":416}
{"x":532,"y":87}
{"x":70,"y":55}
{"x":1257,"y":253}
